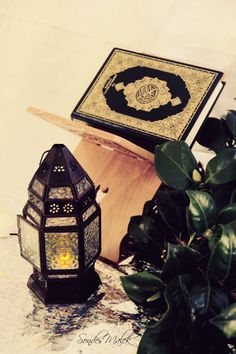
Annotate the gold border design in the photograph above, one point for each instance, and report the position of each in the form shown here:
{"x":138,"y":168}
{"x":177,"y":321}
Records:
{"x":198,"y":81}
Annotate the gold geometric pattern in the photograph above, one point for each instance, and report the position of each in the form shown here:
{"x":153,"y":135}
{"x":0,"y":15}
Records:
{"x":61,"y":250}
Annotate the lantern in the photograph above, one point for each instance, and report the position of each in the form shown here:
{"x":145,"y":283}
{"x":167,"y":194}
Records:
{"x":60,"y":230}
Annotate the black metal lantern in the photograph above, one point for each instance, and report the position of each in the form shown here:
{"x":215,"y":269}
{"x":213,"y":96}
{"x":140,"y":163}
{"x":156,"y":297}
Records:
{"x":60,"y":231}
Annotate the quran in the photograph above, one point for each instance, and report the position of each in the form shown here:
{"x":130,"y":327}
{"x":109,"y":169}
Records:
{"x":149,"y":100}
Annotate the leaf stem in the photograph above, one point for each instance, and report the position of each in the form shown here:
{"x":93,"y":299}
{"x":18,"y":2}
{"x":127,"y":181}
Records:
{"x":191,"y":239}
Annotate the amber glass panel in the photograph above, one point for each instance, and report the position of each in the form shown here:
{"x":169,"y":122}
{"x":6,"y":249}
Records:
{"x":89,"y":212}
{"x":91,"y":240}
{"x":29,"y":241}
{"x":60,"y":193}
{"x":38,"y":187}
{"x":61,"y":250}
{"x":65,"y":221}
{"x":82,"y":186}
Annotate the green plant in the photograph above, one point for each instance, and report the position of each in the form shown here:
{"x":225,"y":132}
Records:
{"x":188,"y":232}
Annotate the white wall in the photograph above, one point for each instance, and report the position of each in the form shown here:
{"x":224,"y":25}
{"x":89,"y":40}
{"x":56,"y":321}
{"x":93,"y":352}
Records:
{"x":51,"y":49}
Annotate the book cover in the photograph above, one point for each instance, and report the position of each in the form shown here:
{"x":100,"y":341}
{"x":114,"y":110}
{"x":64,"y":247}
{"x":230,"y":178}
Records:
{"x":149,"y":99}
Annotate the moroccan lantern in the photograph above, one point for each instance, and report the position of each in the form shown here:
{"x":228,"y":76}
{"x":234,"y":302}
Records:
{"x":60,"y":230}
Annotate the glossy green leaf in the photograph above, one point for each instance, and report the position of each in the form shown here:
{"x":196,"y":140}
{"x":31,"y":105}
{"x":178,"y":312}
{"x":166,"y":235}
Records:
{"x":178,"y":295}
{"x":231,"y":122}
{"x":182,"y":330}
{"x":142,"y":230}
{"x":233,"y":196}
{"x":223,"y":254}
{"x":167,"y":321}
{"x":214,"y":239}
{"x":171,"y":205}
{"x":146,"y":237}
{"x":222,"y":168}
{"x":226,"y":321}
{"x":213,"y":135}
{"x":174,"y":163}
{"x":141,"y":286}
{"x":222,"y":193}
{"x":179,"y":290}
{"x":180,"y":260}
{"x":231,"y":280}
{"x":227,"y":214}
{"x":201,"y":210}
{"x":155,"y":297}
{"x":153,"y":344}
{"x":206,"y":302}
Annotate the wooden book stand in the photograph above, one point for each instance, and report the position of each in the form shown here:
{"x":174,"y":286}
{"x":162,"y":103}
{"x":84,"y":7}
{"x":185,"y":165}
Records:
{"x":124,"y":172}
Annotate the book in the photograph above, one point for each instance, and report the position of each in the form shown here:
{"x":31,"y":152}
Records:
{"x":149,"y":100}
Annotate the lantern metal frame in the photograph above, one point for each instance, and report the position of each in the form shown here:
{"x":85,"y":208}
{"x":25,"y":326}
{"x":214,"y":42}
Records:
{"x":61,"y":191}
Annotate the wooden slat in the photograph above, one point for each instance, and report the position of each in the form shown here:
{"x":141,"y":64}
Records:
{"x":130,"y":183}
{"x":94,"y":135}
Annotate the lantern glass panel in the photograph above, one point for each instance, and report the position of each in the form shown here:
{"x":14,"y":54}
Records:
{"x":34,"y":214}
{"x":82,"y":186}
{"x":91,"y":240}
{"x":29,"y":242}
{"x":89,"y":212}
{"x":61,"y":250}
{"x":60,"y":193}
{"x":35,"y":201}
{"x":64,"y":221}
{"x":38,"y":187}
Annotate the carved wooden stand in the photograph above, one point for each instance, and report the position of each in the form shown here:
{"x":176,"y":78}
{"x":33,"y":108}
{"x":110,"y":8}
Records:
{"x":123,"y":171}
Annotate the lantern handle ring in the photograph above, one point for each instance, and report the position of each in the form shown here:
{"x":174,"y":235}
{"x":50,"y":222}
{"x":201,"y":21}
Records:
{"x":42,"y":157}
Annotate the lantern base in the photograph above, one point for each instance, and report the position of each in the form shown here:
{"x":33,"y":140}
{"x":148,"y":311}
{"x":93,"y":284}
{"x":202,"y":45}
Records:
{"x":64,"y":291}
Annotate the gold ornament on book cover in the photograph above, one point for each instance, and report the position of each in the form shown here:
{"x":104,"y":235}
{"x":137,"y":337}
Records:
{"x":147,"y":94}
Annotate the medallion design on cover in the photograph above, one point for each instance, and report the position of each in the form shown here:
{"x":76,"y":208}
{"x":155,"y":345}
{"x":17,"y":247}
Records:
{"x":147,"y":94}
